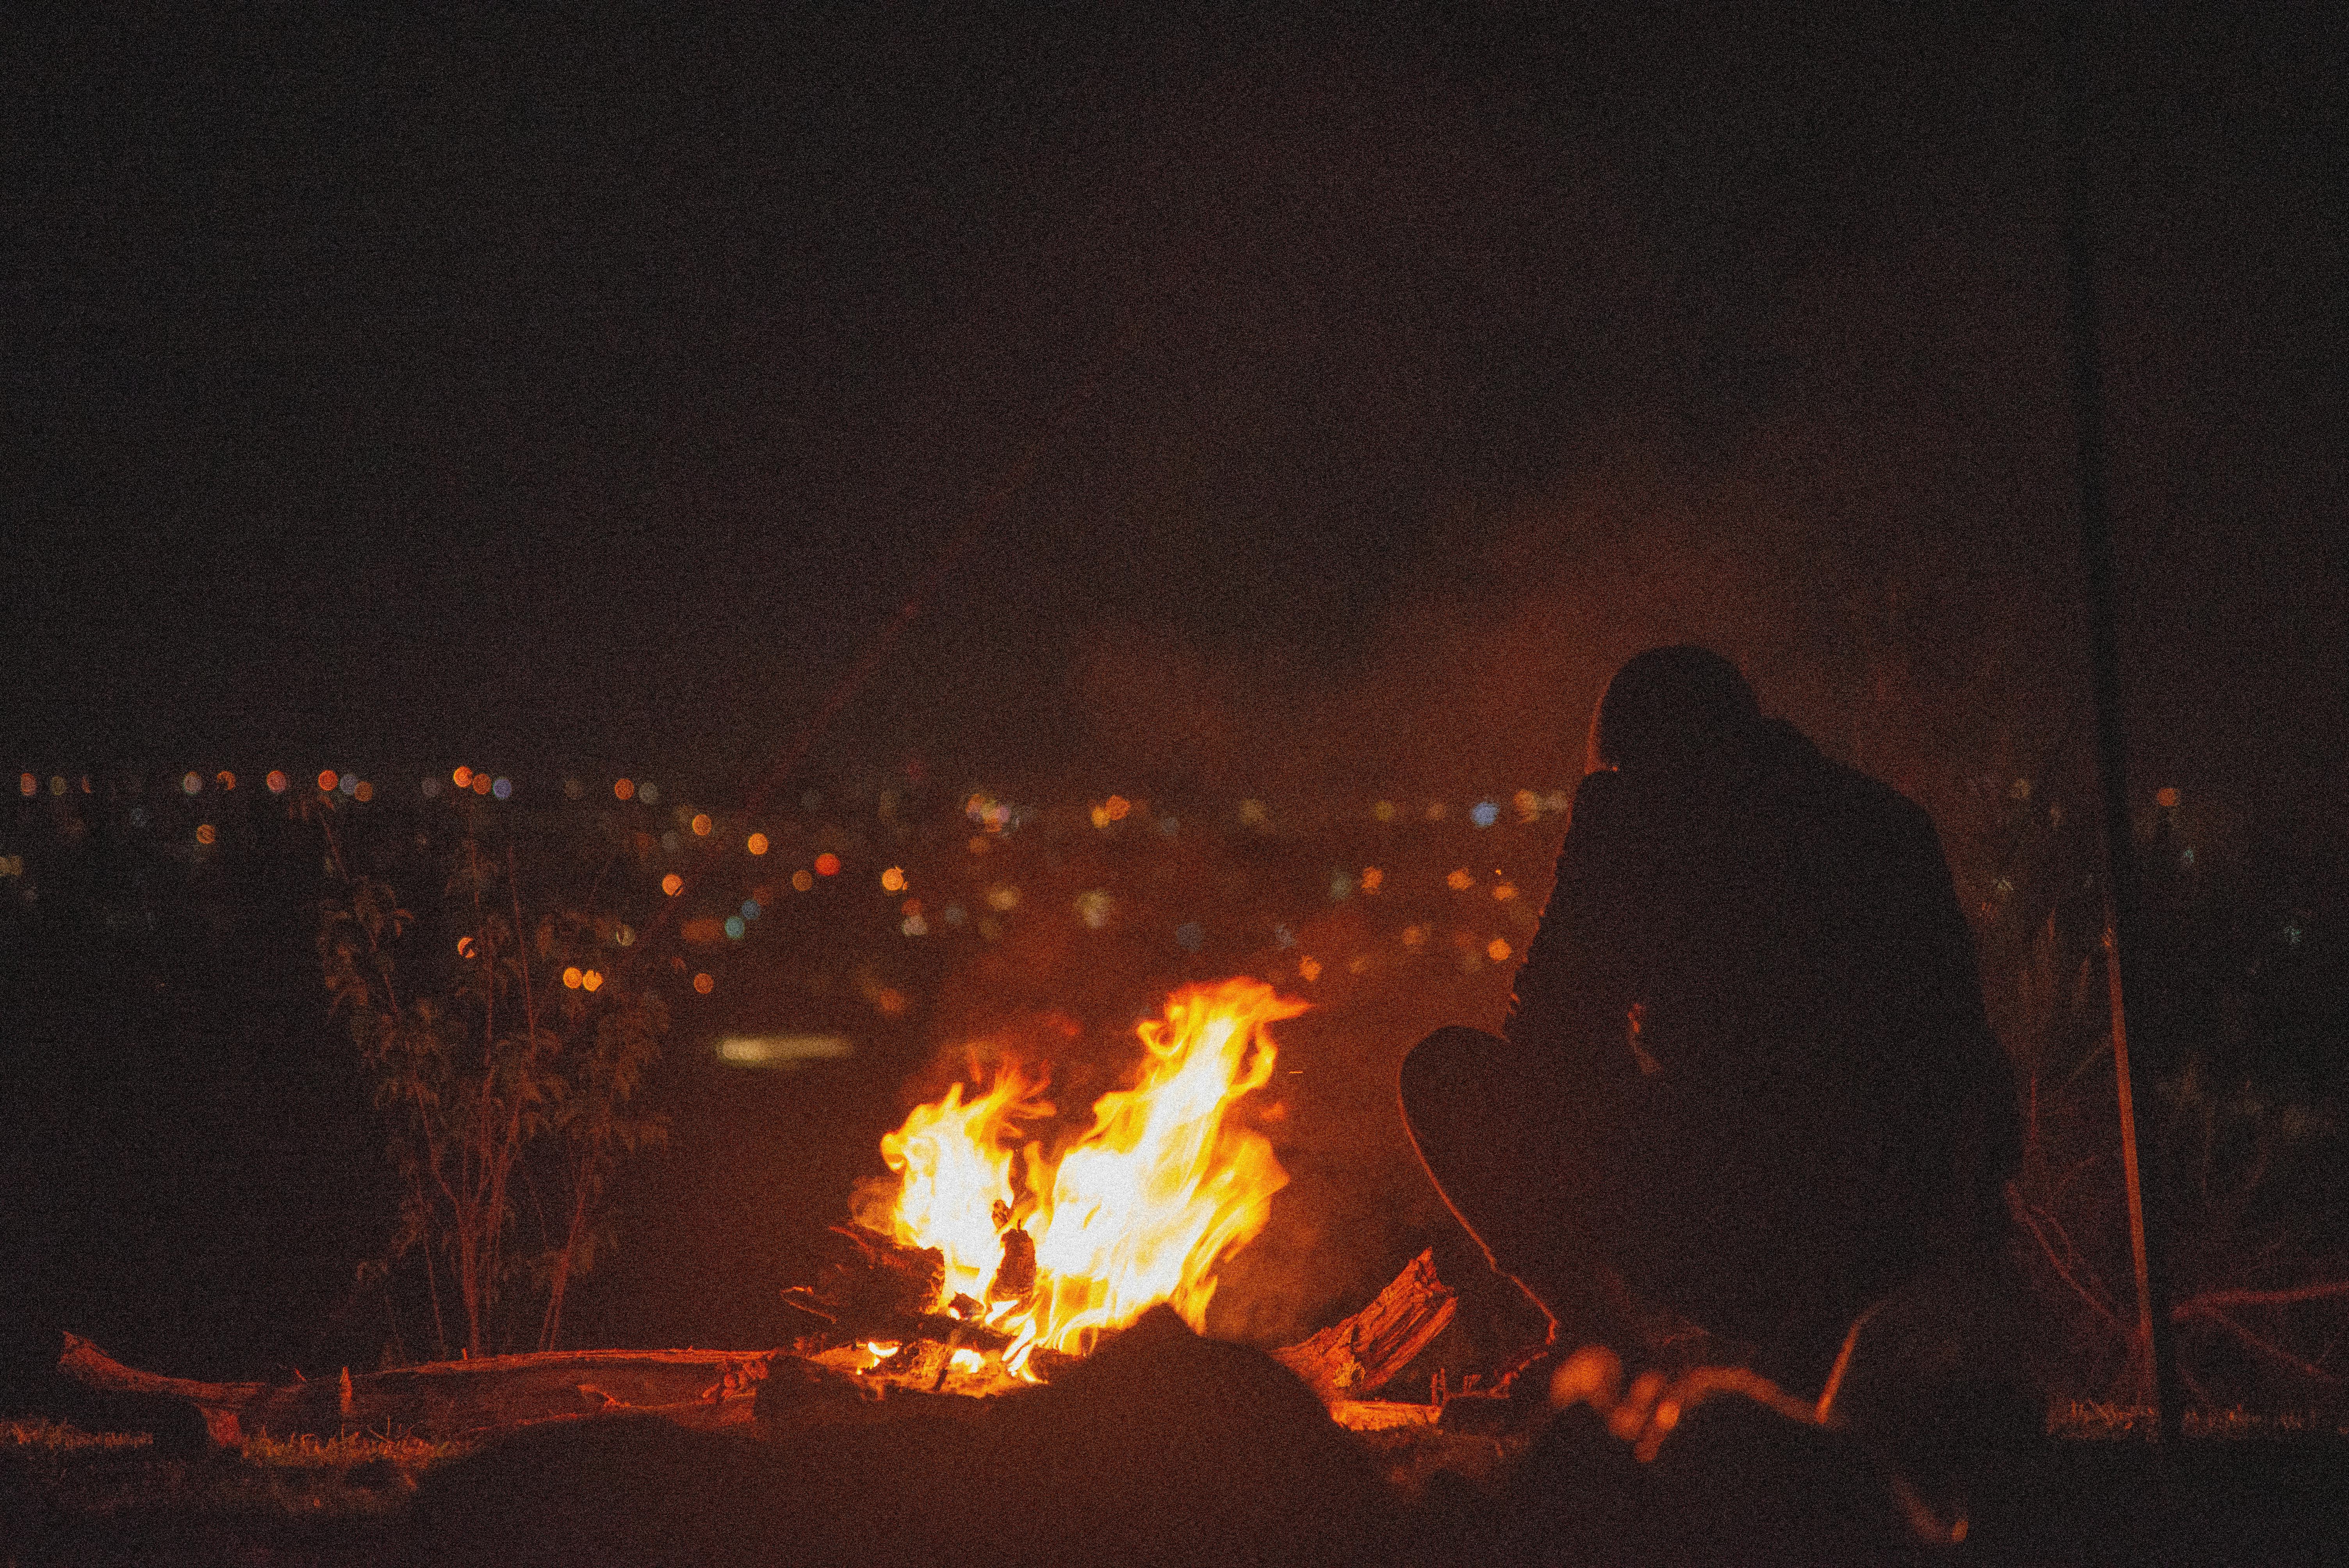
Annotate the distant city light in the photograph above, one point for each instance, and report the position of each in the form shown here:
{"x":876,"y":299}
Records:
{"x":781,"y":1052}
{"x":756,"y":843}
{"x":623,"y":788}
{"x":276,"y":782}
{"x":1485,"y":813}
{"x":672,"y":884}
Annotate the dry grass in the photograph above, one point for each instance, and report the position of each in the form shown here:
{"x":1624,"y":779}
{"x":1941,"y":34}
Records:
{"x":103,"y":1475}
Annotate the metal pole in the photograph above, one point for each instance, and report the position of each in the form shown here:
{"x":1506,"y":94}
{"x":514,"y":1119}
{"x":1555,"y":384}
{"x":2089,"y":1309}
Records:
{"x":2126,"y":920}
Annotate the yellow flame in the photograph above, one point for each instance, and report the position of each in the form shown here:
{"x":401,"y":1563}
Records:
{"x":1144,"y":1208}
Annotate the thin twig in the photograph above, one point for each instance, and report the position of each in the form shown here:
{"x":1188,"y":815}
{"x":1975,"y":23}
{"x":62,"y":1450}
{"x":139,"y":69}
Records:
{"x":2305,"y":1369}
{"x":2210,"y":1300}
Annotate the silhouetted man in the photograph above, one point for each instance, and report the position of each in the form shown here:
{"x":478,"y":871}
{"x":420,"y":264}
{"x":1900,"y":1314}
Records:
{"x":1747,"y":1086}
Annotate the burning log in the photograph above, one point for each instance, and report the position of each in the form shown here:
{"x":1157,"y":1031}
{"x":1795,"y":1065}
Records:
{"x":448,"y":1400}
{"x":1351,"y":1358}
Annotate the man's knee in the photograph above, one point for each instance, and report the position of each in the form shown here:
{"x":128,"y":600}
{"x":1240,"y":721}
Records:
{"x":1449,"y":1078}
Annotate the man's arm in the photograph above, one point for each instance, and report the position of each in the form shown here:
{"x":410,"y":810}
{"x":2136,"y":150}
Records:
{"x":1570,"y":995}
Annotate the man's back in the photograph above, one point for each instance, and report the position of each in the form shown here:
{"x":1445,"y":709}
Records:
{"x":1754,"y":979}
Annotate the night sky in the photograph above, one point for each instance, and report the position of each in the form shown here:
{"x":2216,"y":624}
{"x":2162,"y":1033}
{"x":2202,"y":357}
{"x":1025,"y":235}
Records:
{"x":1248,"y":405}
{"x":586,"y":393}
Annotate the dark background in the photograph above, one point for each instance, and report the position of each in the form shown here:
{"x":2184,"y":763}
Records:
{"x":1259,"y":407}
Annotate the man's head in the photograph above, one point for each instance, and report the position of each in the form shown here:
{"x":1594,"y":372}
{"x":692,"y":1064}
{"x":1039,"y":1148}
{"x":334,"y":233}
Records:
{"x":1672,"y":708}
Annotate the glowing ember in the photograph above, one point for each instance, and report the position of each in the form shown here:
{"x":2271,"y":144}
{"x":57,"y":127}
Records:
{"x":1144,"y":1208}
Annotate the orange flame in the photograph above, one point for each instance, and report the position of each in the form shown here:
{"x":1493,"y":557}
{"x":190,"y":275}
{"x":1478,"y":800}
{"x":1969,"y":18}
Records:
{"x":1144,"y":1208}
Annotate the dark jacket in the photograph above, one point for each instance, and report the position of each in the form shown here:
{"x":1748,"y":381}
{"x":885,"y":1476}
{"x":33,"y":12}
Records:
{"x":1760,"y":1000}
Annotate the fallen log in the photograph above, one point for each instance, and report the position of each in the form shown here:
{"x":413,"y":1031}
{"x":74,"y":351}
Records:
{"x":1354,"y":1358}
{"x":444,"y":1400}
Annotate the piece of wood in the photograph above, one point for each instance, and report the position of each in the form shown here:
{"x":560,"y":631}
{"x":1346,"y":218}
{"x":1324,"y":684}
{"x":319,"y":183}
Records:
{"x":1351,"y":1358}
{"x":442,"y":1401}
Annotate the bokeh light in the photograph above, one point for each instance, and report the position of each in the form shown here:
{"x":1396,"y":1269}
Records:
{"x":802,"y":880}
{"x":503,"y":789}
{"x":701,"y":825}
{"x":227,"y":780}
{"x":364,"y":791}
{"x":27,"y":784}
{"x":1460,"y":881}
{"x":571,"y":977}
{"x":1496,"y":949}
{"x":736,"y":927}
{"x":192,"y":783}
{"x":462,"y":777}
{"x":327,"y":779}
{"x":591,"y":981}
{"x":704,"y":983}
{"x":276,"y":782}
{"x":480,"y":783}
{"x":350,"y":784}
{"x":1373,"y":879}
{"x":623,"y":788}
{"x":756,"y":843}
{"x":672,"y":884}
{"x":894,"y":878}
{"x":205,"y":834}
{"x":827,"y":864}
{"x":2166,"y":797}
{"x":1485,"y":813}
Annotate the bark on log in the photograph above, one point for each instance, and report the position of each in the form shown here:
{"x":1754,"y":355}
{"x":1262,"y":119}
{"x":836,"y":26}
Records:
{"x":441,"y":1401}
{"x":1351,"y":1358}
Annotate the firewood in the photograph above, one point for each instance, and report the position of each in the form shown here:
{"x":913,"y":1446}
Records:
{"x":1355,"y":1356}
{"x":446,"y":1399}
